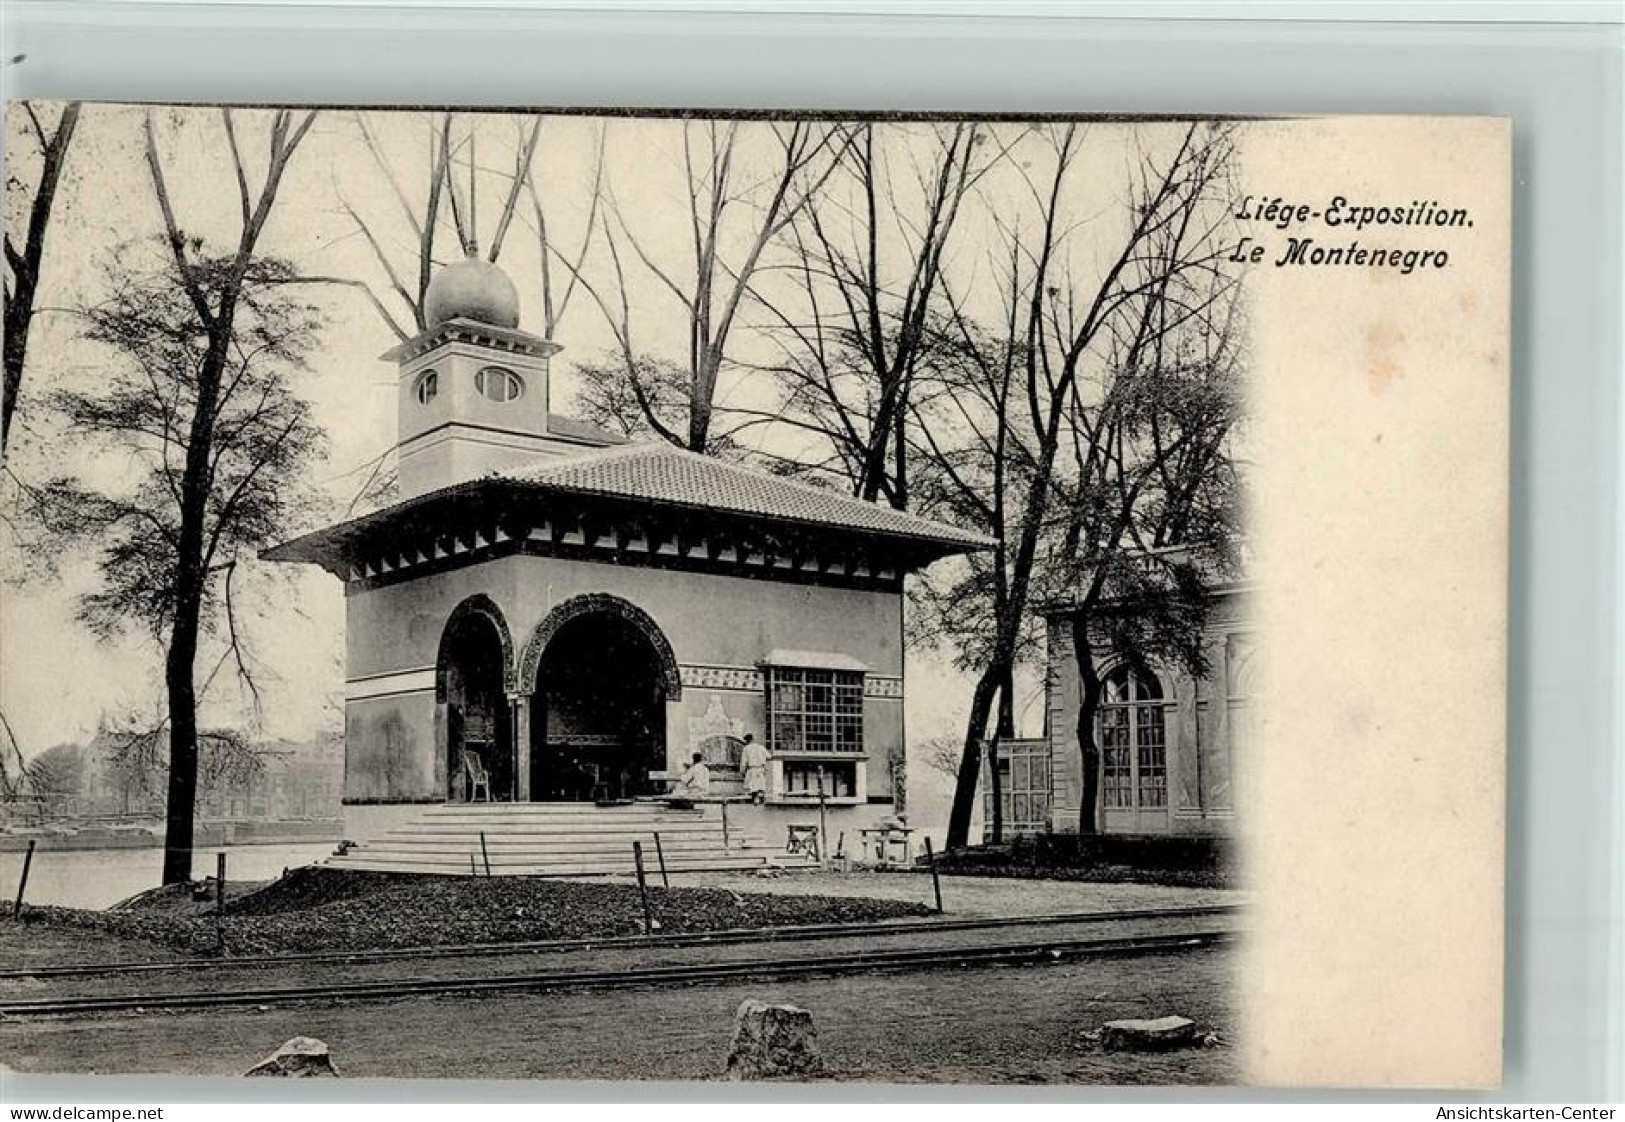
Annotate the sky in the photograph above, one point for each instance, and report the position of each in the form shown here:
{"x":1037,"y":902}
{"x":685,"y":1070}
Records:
{"x":57,"y":681}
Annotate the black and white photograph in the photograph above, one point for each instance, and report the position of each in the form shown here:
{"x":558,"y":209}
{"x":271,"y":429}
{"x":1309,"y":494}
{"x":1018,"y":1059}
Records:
{"x":699,"y":596}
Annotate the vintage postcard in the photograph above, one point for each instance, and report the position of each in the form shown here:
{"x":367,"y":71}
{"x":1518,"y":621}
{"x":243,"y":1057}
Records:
{"x":536,"y":595}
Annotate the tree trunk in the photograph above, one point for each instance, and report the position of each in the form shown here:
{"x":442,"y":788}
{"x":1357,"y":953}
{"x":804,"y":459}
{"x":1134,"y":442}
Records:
{"x":1088,"y":745}
{"x":180,"y":661}
{"x":1007,"y":703}
{"x":19,"y":312}
{"x":970,"y":761}
{"x":181,"y":806}
{"x":899,"y":498}
{"x":702,"y":387}
{"x":191,"y":549}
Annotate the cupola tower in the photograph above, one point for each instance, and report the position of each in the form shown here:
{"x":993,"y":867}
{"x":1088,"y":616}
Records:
{"x":473,"y":389}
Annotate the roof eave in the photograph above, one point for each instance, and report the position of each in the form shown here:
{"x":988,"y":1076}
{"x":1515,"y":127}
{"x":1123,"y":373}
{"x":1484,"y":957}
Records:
{"x":424,"y":341}
{"x":322,"y":547}
{"x":1052,"y":608}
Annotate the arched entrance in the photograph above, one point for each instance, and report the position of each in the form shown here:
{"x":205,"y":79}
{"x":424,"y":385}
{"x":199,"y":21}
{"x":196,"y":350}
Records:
{"x":601,"y":673}
{"x":471,"y":686}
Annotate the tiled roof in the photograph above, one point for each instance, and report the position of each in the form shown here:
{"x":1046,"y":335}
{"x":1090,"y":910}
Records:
{"x":649,"y":473}
{"x":662,"y":473}
{"x":572,"y":429}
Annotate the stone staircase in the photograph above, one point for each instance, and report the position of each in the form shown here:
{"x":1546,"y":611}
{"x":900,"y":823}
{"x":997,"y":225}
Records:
{"x":562,"y":840}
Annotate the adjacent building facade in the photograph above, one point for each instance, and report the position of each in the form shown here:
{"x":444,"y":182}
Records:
{"x":1171,"y":744}
{"x":550,"y":613}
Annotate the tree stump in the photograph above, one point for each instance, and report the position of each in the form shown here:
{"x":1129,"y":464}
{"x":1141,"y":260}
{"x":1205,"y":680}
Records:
{"x":1148,"y":1036}
{"x":770,"y":1041}
{"x":303,"y":1057}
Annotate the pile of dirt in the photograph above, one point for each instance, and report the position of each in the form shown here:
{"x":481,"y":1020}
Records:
{"x":317,"y":909}
{"x":183,"y":899}
{"x":312,"y":886}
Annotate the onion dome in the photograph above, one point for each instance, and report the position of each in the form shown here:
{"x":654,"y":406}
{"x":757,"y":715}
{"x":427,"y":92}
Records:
{"x":472,"y":289}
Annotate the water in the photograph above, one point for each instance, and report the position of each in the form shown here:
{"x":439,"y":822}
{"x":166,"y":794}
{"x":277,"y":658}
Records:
{"x":99,"y":878}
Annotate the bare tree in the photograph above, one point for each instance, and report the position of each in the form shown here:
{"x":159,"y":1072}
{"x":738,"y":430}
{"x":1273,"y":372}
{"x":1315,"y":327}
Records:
{"x":940,"y":754}
{"x":551,"y":259}
{"x":13,"y":766}
{"x":134,"y":751}
{"x":452,"y":174}
{"x":452,"y":155}
{"x":1153,"y":515}
{"x":856,"y":329}
{"x":408,"y":281}
{"x":976,"y":459}
{"x":1059,"y":355}
{"x":196,"y":394}
{"x":23,"y":264}
{"x":54,"y":780}
{"x":714,"y":288}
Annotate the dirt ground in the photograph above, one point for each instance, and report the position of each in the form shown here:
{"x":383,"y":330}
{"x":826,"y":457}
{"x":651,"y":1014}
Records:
{"x":971,"y":1025}
{"x":225,"y":975}
{"x":974,"y":896}
{"x":25,"y":945}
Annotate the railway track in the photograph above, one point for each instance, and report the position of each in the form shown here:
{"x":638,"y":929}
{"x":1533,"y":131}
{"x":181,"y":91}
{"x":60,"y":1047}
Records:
{"x":726,"y":937}
{"x":1029,"y":953}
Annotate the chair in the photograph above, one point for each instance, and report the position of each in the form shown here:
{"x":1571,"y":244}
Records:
{"x":801,"y":840}
{"x":475,"y":777}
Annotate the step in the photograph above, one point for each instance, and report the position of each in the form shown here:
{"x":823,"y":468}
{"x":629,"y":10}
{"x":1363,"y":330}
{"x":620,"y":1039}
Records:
{"x":567,"y":810}
{"x":559,"y":828}
{"x":584,"y":825}
{"x":647,"y":837}
{"x":546,"y":837}
{"x":582,"y":868}
{"x":555,"y":839}
{"x":586,"y":868}
{"x":628,"y":834}
{"x":532,"y":854}
{"x":458,"y":863}
{"x":563,"y":846}
{"x":620,"y":862}
{"x":562,"y":839}
{"x":566,"y":825}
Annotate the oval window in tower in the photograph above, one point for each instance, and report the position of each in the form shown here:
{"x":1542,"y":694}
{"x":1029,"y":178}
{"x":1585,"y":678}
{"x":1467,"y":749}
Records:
{"x":499,"y":384}
{"x":428,"y":387}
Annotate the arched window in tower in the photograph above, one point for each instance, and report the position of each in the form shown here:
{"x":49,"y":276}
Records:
{"x":428,"y":387}
{"x":1133,"y":742}
{"x":499,"y":384}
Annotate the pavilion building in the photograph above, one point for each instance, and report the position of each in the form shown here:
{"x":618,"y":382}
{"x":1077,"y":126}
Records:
{"x":578,"y":615}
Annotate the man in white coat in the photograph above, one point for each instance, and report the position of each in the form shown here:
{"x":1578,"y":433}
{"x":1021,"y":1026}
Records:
{"x":753,"y":759}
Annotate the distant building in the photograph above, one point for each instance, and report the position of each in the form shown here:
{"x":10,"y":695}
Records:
{"x":1171,"y":744}
{"x":565,"y":616}
{"x":298,"y":781}
{"x":293,"y":781}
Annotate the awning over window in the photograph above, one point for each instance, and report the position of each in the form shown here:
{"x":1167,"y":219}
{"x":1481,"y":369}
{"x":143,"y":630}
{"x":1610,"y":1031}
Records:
{"x":814,"y":660}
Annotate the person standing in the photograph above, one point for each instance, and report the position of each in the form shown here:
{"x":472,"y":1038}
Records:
{"x":753,"y":759}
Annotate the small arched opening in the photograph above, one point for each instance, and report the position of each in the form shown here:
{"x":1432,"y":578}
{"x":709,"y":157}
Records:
{"x":472,"y":675}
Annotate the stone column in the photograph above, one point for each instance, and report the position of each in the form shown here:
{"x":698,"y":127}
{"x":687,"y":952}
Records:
{"x":1184,"y":770}
{"x":520,"y":706}
{"x":678,"y":747}
{"x":1216,"y":765}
